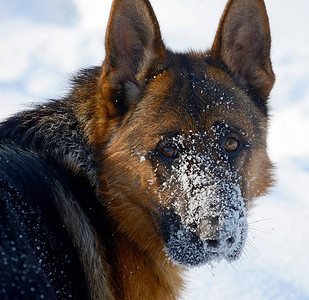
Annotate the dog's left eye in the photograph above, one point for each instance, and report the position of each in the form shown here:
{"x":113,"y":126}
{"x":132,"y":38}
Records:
{"x":170,"y":152}
{"x":231,"y":144}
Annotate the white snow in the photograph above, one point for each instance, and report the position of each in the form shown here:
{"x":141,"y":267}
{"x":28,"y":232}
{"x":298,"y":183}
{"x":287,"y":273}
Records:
{"x":44,"y":41}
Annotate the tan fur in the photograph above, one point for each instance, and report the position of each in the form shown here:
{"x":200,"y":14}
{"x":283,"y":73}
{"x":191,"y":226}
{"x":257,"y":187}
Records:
{"x":140,"y":269}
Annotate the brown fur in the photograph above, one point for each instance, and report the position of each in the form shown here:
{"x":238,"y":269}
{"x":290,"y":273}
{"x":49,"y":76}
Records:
{"x":242,"y":43}
{"x":143,"y":141}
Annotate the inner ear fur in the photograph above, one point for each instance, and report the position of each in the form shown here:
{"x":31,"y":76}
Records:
{"x":243,"y":43}
{"x":133,"y":42}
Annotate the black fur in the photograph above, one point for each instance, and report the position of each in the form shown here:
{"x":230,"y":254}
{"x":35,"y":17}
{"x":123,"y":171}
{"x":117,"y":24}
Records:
{"x":54,"y":129}
{"x":37,"y":256}
{"x":47,"y":199}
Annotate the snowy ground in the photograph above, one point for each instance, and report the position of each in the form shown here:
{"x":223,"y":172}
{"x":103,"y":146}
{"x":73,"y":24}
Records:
{"x":41,"y":42}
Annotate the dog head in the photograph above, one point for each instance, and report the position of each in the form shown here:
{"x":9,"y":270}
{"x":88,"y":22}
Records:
{"x":180,"y":138}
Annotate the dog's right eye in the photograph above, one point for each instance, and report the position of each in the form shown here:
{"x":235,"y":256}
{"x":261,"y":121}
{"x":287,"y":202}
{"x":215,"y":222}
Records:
{"x":169,"y":152}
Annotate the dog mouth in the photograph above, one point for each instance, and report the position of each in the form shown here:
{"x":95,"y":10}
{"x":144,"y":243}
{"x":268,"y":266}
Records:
{"x":207,"y":242}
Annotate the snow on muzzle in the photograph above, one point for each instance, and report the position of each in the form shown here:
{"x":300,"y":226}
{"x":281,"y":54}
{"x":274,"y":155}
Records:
{"x":206,"y":218}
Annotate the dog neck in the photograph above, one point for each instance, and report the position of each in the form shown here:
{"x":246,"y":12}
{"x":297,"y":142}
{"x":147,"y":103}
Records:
{"x":142,"y":276}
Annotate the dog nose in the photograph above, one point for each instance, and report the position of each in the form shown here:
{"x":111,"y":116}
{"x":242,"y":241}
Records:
{"x":208,"y":228}
{"x":216,"y":243}
{"x":214,"y":221}
{"x":209,"y":231}
{"x":213,"y":243}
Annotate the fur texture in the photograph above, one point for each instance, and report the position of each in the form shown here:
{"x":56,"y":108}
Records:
{"x":148,"y":166}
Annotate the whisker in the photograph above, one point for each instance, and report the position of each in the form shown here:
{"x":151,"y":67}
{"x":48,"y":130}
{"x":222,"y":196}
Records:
{"x":255,"y":229}
{"x":245,"y":253}
{"x":232,"y":265}
{"x":250,"y":248}
{"x":210,"y":267}
{"x":261,"y":220}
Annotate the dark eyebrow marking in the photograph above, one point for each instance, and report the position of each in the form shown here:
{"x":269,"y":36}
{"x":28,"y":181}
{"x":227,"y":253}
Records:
{"x":248,"y":89}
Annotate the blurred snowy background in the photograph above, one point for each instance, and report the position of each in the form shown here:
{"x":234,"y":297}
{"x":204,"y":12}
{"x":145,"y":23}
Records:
{"x":43,"y":41}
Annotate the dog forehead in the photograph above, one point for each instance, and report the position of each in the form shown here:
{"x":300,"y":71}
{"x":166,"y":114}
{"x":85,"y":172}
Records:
{"x":194,"y":99}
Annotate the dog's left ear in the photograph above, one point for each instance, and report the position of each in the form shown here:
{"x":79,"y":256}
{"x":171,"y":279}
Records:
{"x":133,"y":45}
{"x":243,"y":43}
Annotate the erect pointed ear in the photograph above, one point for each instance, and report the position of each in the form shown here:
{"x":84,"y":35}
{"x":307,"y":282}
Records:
{"x":133,"y":42}
{"x":243,"y":44}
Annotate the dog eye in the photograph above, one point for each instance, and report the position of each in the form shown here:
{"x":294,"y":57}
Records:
{"x":231,"y":144}
{"x":170,"y":152}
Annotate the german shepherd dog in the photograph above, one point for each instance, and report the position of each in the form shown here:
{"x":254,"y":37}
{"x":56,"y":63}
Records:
{"x":147,"y":167}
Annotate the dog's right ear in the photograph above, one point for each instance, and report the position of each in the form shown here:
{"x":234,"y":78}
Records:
{"x":133,"y":44}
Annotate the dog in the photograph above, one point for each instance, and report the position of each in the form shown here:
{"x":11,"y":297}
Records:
{"x":147,"y":167}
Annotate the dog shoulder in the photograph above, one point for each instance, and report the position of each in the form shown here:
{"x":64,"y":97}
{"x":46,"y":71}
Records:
{"x":41,"y":225}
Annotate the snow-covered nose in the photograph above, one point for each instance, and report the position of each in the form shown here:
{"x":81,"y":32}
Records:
{"x":209,"y":228}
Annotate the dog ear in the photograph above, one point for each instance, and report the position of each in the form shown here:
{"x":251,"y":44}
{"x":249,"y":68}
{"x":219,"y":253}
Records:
{"x":243,"y":43}
{"x":133,"y":43}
